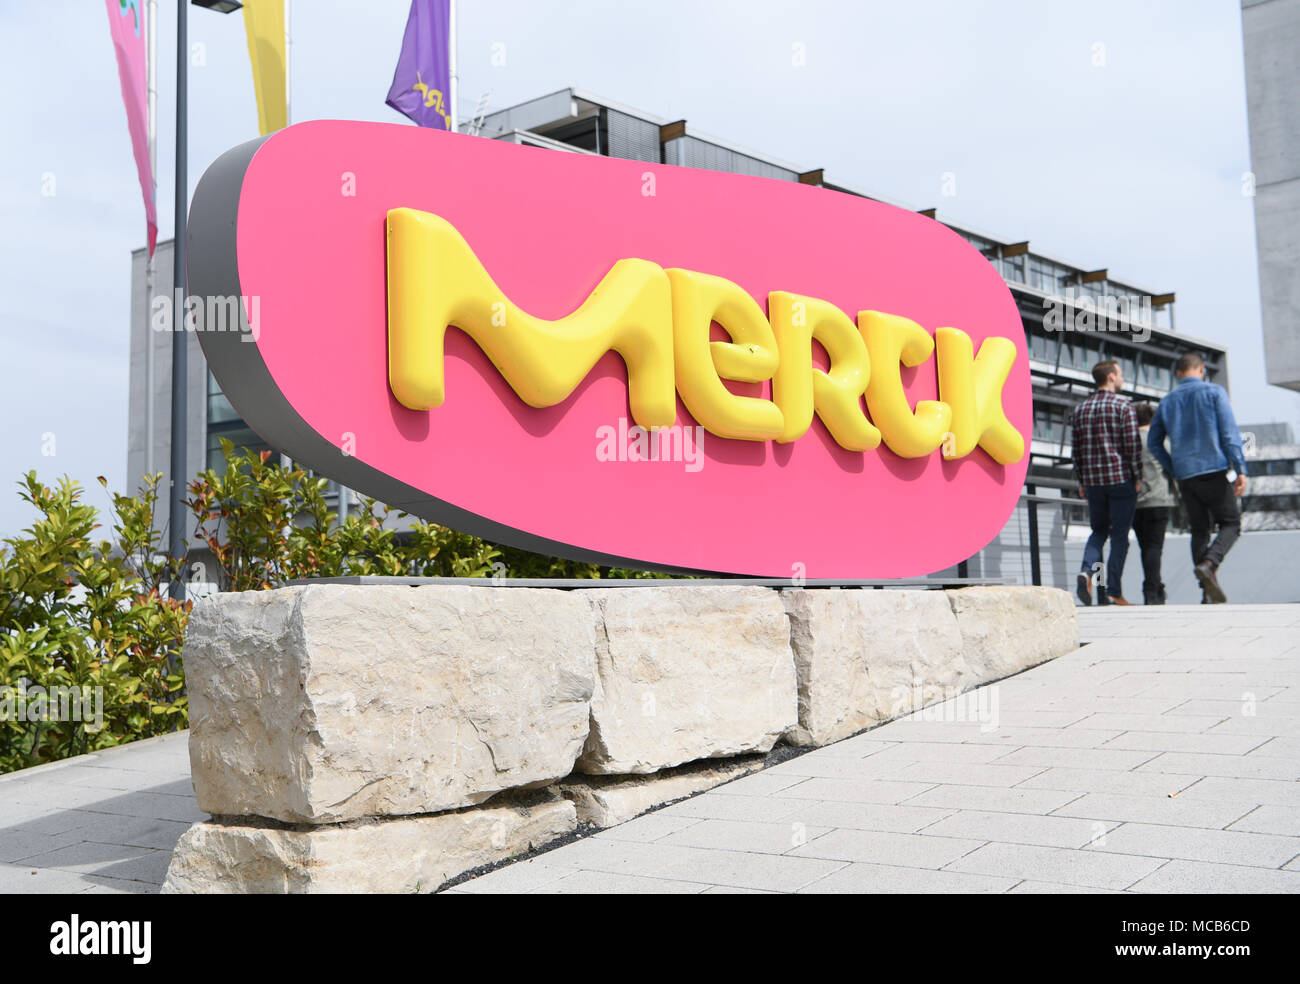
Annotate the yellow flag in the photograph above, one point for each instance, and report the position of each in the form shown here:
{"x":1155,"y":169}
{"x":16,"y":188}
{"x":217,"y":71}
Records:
{"x":264,"y":25}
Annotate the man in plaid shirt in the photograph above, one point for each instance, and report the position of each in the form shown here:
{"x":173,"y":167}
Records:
{"x":1108,"y":467}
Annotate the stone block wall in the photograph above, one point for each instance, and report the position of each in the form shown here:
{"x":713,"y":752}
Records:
{"x":384,"y":738}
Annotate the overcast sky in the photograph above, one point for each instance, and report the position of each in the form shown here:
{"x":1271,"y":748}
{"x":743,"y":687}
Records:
{"x":1110,"y":133}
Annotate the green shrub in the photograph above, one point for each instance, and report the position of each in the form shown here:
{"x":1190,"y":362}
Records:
{"x":85,"y":614}
{"x":266,"y":525}
{"x":82,"y":613}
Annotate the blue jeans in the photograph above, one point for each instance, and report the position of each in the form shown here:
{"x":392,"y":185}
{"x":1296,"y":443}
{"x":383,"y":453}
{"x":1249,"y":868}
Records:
{"x":1110,"y":514}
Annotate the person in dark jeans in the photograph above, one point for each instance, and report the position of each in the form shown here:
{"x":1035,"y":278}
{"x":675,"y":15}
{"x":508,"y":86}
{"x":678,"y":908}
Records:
{"x":1207,"y":458}
{"x":1154,"y":504}
{"x":1108,"y":467}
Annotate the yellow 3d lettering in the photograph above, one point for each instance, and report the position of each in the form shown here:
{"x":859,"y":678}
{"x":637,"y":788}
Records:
{"x":973,"y":388}
{"x":435,"y":280}
{"x":893,"y":341}
{"x":800,"y":390}
{"x":659,"y":322}
{"x":750,"y":357}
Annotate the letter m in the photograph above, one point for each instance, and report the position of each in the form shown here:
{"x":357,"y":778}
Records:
{"x":435,"y":281}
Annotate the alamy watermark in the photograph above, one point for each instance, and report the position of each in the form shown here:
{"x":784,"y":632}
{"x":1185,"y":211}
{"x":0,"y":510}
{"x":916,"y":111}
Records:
{"x":1084,"y":312}
{"x":32,"y":704}
{"x":636,"y":443}
{"x":75,"y":937}
{"x":208,"y":312}
{"x":952,"y":705}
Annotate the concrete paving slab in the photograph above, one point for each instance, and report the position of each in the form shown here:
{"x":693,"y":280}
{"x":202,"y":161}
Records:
{"x":1199,"y":878}
{"x":1017,"y":828}
{"x":1082,"y":868}
{"x":1199,"y":844}
{"x":1174,"y":811}
{"x":856,"y":879}
{"x":1284,"y":820}
{"x":879,"y":847}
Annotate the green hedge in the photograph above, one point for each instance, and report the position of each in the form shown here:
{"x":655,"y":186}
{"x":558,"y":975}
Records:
{"x":84,"y":618}
{"x":87,"y":622}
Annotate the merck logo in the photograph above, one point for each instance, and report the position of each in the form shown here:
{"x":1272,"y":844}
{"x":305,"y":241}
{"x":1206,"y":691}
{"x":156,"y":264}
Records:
{"x":625,"y":363}
{"x":659,"y":321}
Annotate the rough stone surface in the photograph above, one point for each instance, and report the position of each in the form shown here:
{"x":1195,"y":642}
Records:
{"x":325,"y":703}
{"x":1008,"y":629}
{"x":866,"y":656}
{"x":686,"y":674}
{"x":608,"y":800}
{"x":398,"y":855}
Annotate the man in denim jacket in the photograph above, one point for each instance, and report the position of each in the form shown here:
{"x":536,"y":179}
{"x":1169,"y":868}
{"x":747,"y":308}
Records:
{"x":1204,"y":445}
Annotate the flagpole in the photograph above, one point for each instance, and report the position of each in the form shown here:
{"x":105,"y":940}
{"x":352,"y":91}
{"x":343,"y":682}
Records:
{"x":451,"y":63}
{"x":151,"y":129}
{"x":285,"y":461}
{"x":180,"y":375}
{"x":288,"y":63}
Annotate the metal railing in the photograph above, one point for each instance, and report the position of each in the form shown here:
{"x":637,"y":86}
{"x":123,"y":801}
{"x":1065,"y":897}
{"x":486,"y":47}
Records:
{"x":1031,"y":498}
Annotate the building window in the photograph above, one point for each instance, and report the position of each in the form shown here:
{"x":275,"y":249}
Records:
{"x":219,"y":409}
{"x":240,"y":435}
{"x":1037,"y":274}
{"x":1049,"y":424}
{"x":1127,"y":366}
{"x":1156,"y":373}
{"x":1275,"y":466}
{"x":1077,"y":355}
{"x":223,"y":421}
{"x":1043,"y":348}
{"x":1046,"y":275}
{"x":1271,"y":503}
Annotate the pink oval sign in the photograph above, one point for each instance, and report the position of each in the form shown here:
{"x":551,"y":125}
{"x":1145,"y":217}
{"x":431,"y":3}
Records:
{"x":611,"y":360}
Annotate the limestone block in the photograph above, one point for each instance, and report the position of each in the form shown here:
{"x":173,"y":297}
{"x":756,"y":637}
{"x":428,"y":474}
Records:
{"x":324,"y":703}
{"x":608,"y":800}
{"x":686,"y":673}
{"x":867,"y":656}
{"x":403,"y":854}
{"x":1008,"y":629}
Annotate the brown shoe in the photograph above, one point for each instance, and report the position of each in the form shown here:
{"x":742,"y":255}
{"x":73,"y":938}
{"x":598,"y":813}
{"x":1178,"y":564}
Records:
{"x":1118,"y":600}
{"x":1205,"y":573}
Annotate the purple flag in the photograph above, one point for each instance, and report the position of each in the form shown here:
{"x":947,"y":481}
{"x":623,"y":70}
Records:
{"x":421,"y":86}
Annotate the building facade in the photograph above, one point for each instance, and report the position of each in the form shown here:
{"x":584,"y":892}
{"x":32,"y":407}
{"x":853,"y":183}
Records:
{"x":148,"y":439}
{"x":1073,"y":318}
{"x":1271,"y":40}
{"x":1272,"y":499}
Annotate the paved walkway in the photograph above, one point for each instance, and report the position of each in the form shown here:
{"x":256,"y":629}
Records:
{"x":1162,"y":757}
{"x":105,"y":822}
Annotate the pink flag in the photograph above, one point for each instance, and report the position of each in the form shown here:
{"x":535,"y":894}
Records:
{"x":126,"y":22}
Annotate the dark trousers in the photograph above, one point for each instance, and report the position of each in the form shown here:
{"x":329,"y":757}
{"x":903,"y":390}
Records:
{"x":1110,"y":514}
{"x":1209,"y":500}
{"x":1149,"y":523}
